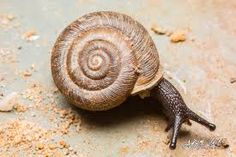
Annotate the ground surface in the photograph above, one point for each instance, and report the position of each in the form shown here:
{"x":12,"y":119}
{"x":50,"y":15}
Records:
{"x":202,"y":68}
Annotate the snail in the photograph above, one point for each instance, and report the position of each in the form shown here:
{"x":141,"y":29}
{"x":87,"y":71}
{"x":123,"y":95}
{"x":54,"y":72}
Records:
{"x":104,"y":57}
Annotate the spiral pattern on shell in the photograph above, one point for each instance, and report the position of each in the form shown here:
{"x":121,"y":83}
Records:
{"x":95,"y":62}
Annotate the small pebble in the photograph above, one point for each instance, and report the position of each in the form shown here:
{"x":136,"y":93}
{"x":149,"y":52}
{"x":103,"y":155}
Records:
{"x":63,"y":144}
{"x":30,"y":35}
{"x":8,"y":102}
{"x":158,"y":30}
{"x":40,"y":146}
{"x":233,"y":80}
{"x":70,"y":148}
{"x":178,"y":36}
{"x":27,"y":73}
{"x":52,"y":146}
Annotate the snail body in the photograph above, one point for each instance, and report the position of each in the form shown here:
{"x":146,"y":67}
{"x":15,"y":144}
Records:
{"x":104,"y":57}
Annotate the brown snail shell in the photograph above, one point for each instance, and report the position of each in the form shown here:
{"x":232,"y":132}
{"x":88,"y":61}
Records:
{"x":102,"y":58}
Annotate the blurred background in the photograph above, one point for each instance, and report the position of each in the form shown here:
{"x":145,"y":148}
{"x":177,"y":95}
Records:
{"x":196,"y":43}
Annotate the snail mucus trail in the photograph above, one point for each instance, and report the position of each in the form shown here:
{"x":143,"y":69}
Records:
{"x":104,"y":57}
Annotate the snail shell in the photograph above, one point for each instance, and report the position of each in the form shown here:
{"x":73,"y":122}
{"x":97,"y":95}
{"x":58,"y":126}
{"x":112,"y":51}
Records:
{"x":102,"y":58}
